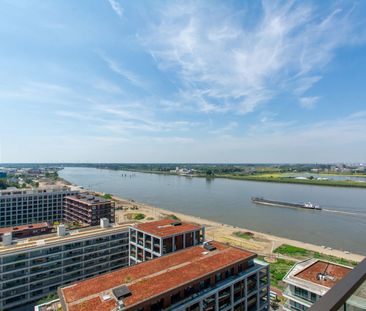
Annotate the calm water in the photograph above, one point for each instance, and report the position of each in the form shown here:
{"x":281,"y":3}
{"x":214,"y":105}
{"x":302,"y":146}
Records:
{"x":341,"y":225}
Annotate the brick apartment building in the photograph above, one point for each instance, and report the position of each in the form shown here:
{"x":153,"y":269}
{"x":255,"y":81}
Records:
{"x":157,"y":238}
{"x":88,"y":209}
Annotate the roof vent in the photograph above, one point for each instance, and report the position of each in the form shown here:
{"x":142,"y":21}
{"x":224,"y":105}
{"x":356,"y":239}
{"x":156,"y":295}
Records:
{"x":325,"y":277}
{"x":209,"y":246}
{"x":106,"y":297}
{"x":104,"y":222}
{"x":121,"y":292}
{"x":7,"y":238}
{"x":61,"y":230}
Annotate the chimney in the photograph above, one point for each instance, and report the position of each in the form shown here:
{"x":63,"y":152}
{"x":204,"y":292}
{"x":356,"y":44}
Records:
{"x":7,"y":238}
{"x":61,"y":230}
{"x":104,"y":223}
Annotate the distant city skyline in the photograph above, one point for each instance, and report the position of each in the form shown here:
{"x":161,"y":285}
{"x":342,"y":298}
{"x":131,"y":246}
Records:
{"x":183,"y":81}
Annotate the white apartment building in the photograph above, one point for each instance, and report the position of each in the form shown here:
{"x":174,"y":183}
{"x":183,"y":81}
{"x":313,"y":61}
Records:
{"x":32,"y":268}
{"x":309,"y":280}
{"x":27,"y":206}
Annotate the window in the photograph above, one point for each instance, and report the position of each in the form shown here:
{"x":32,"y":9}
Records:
{"x":301,"y":292}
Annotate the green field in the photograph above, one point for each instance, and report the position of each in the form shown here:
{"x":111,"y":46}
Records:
{"x":243,"y":235}
{"x":302,"y":253}
{"x":279,"y":178}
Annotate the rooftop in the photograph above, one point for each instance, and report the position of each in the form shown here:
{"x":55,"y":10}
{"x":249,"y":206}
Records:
{"x":316,"y":275}
{"x":35,"y":191}
{"x":25,"y":227}
{"x":88,"y":199}
{"x":53,"y":239}
{"x":166,"y":227}
{"x":323,"y":273}
{"x":151,"y":278}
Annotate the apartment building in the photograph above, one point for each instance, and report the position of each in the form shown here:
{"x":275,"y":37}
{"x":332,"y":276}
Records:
{"x":157,"y":238}
{"x":88,"y":209}
{"x":209,"y":277}
{"x":22,"y":207}
{"x":32,"y":268}
{"x":309,"y":280}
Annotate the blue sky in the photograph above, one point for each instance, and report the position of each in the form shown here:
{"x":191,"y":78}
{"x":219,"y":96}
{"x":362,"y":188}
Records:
{"x":182,"y":81}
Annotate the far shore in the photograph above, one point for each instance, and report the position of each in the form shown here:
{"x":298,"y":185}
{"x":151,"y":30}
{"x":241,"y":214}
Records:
{"x":267,"y":178}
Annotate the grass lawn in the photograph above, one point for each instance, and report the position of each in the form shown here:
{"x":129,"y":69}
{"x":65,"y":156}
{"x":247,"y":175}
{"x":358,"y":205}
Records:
{"x":278,"y":270}
{"x":302,"y":253}
{"x":243,"y":235}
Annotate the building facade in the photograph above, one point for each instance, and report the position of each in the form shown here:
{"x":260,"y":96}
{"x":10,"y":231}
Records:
{"x":31,"y":269}
{"x":309,"y":280}
{"x":22,"y":207}
{"x":198,"y":278}
{"x":157,"y":238}
{"x":88,"y":209}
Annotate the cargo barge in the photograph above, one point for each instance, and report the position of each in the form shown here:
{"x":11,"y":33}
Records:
{"x":307,"y":205}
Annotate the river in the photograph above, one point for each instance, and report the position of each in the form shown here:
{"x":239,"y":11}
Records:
{"x":341,"y":224}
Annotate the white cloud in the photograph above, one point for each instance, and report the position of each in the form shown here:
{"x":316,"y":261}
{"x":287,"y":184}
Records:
{"x":127,"y":74}
{"x":228,"y":62}
{"x":309,"y":102}
{"x":117,"y":8}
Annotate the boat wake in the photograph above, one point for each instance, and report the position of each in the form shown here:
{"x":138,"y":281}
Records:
{"x":344,"y":212}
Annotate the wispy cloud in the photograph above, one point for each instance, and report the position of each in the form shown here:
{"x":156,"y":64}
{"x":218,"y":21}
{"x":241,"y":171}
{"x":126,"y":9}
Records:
{"x":309,"y":102}
{"x":116,"y":6}
{"x":228,"y":62}
{"x":123,"y":72}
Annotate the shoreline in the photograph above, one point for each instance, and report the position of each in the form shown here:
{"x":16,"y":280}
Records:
{"x":261,"y":243}
{"x":223,"y":232}
{"x":281,"y":180}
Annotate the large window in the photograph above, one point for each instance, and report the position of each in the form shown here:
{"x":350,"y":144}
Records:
{"x":301,"y":293}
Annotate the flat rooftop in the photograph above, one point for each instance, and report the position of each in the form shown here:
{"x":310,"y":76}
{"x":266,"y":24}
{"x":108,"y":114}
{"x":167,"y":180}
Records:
{"x":332,"y":273}
{"x":88,"y":199}
{"x":315,"y":275}
{"x":35,"y":191}
{"x":151,"y":278}
{"x":53,"y":239}
{"x":166,"y":227}
{"x":25,"y":227}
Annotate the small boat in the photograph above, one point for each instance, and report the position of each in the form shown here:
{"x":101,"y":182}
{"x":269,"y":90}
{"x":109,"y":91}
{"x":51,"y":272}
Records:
{"x":307,"y":205}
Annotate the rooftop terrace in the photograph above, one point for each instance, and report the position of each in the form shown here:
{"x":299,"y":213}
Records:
{"x":88,"y":199}
{"x":316,"y":275}
{"x":25,"y":227}
{"x":54,"y":239}
{"x":166,"y":227}
{"x":323,"y":273}
{"x":35,"y":191}
{"x":150,"y":279}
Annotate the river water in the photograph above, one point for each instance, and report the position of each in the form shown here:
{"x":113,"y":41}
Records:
{"x":341,"y":224}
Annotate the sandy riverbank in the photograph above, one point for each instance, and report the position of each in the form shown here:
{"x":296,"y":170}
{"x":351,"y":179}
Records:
{"x":261,"y":243}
